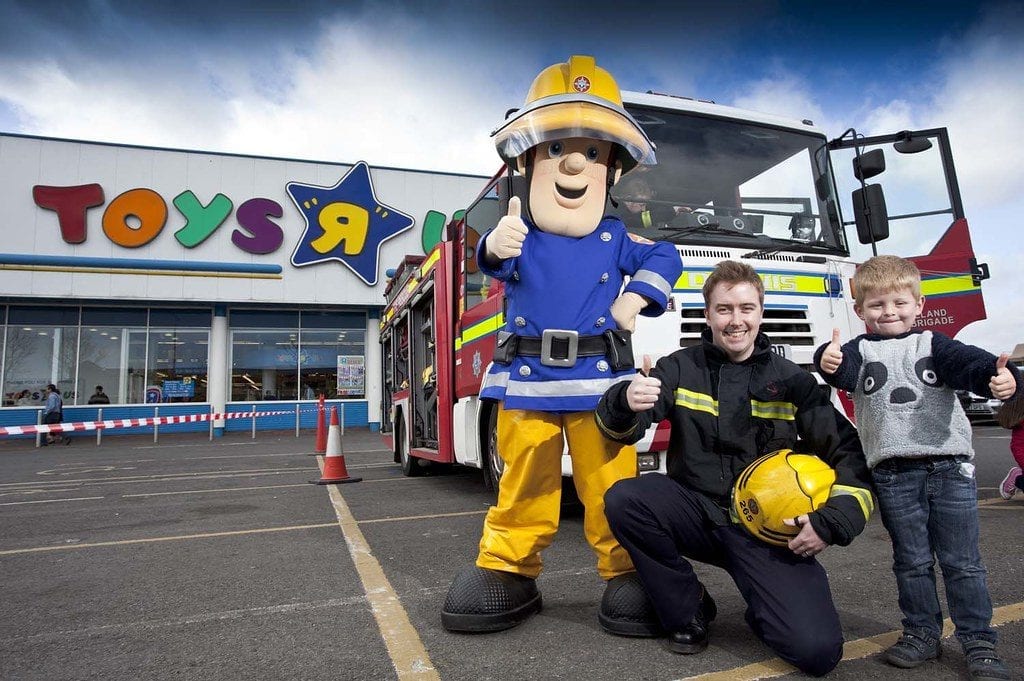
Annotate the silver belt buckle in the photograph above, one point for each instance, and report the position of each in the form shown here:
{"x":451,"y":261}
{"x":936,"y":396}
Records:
{"x":548,"y":338}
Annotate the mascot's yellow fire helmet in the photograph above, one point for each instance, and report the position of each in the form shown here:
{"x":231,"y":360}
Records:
{"x":778,"y":486}
{"x":576,"y":98}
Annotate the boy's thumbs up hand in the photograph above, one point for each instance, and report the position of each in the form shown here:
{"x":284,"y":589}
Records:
{"x":833,"y":355}
{"x":1002,"y":385}
{"x":506,"y":241}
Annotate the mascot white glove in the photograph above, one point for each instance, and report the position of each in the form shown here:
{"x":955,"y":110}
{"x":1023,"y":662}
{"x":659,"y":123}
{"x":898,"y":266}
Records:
{"x":506,"y":240}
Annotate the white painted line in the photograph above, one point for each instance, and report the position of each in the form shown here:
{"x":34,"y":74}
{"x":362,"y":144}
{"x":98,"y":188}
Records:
{"x":150,"y":540}
{"x":201,"y":618}
{"x":407,"y":652}
{"x":47,"y":501}
{"x":219,"y":490}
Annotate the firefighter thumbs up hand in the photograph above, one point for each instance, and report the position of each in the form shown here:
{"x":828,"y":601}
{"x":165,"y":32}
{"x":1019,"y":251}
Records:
{"x":1002,"y":385}
{"x":643,"y":391}
{"x":506,"y":240}
{"x":833,"y":355}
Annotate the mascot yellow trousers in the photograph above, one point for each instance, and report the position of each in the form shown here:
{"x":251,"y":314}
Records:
{"x":525,"y":520}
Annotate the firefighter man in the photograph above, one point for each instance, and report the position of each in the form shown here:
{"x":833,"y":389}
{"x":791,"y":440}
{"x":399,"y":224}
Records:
{"x":566,"y":340}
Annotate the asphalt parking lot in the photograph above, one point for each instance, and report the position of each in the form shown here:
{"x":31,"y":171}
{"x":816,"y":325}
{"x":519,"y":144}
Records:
{"x":218,"y":560}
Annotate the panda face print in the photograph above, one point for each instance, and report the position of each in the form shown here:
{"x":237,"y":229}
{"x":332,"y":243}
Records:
{"x":902,"y":382}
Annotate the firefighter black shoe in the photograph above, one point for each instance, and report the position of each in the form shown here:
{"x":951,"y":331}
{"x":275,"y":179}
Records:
{"x":626,"y":609}
{"x":693,"y":638}
{"x":481,"y":600}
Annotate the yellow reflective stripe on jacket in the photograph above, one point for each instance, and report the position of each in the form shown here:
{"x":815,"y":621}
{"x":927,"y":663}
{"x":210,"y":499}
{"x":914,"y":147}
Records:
{"x":862,"y":496}
{"x":785,"y":411}
{"x":696,"y":401}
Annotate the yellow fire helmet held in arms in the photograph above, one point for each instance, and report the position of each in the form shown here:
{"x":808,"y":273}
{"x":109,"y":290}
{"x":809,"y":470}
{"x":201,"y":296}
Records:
{"x":779,"y":486}
{"x":576,"y":98}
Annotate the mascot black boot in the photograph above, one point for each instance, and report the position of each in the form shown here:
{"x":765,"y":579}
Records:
{"x":626,"y":609}
{"x":481,"y":600}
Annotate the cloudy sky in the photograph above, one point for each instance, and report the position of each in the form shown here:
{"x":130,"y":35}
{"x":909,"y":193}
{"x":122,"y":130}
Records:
{"x":421,"y":85}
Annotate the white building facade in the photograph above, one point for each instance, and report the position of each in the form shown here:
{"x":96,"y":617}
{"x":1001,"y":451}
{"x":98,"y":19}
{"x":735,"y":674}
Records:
{"x":201,"y":282}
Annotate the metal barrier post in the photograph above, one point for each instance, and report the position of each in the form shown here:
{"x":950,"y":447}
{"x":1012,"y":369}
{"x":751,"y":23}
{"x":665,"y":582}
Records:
{"x":342,"y":416}
{"x":254,"y":422}
{"x":156,"y":424}
{"x":296,"y":419}
{"x":211,"y":423}
{"x":99,"y":430}
{"x":39,"y":422}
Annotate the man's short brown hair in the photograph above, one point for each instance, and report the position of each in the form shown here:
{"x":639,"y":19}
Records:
{"x":885,"y":274}
{"x":732,"y":272}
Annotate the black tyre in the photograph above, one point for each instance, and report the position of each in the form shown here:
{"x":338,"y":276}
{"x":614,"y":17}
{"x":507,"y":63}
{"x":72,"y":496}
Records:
{"x":410,"y":464}
{"x":494,"y":466}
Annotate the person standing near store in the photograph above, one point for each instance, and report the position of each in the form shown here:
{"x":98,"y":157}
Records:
{"x":99,"y":397}
{"x":53,"y":412}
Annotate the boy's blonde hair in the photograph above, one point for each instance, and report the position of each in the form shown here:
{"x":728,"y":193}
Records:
{"x":732,"y":272}
{"x":885,"y":274}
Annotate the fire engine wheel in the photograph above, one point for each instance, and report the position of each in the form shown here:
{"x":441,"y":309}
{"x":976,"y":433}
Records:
{"x":410,"y":464}
{"x":495,"y":465}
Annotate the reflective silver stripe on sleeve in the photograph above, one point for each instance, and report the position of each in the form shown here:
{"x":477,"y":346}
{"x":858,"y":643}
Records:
{"x":652,"y":278}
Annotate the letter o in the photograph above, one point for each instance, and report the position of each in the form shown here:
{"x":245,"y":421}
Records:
{"x":144,"y":204}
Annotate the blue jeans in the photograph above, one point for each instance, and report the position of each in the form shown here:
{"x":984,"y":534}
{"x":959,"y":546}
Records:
{"x":930,"y":508}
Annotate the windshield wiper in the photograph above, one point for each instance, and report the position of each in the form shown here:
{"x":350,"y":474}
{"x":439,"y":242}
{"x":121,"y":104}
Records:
{"x":708,"y":228}
{"x":786,"y":245}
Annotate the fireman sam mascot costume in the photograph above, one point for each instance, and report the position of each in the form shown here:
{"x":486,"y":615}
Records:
{"x":566,"y":339}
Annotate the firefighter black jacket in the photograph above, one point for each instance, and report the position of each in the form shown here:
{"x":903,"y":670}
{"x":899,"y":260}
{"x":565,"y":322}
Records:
{"x":724,"y":415}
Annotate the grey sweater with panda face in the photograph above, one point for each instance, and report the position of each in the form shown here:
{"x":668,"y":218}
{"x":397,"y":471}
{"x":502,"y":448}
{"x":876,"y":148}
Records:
{"x":903,"y":389}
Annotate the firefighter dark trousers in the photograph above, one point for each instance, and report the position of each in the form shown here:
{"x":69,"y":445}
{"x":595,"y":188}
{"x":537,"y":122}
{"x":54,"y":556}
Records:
{"x":789,"y":604}
{"x":525,"y":519}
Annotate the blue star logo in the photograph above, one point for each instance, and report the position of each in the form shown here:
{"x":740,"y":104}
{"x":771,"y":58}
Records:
{"x":346,"y":223}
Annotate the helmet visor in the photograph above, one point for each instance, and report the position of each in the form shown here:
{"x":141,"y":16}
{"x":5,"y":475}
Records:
{"x":565,"y":120}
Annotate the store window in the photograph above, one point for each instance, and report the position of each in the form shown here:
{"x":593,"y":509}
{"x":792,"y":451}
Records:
{"x":287,"y":356}
{"x":177,"y":362}
{"x":106,"y":337}
{"x":40,"y":347}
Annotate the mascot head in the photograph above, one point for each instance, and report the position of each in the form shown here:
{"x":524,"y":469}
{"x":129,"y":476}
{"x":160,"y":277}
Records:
{"x":779,"y":486}
{"x":573,"y":140}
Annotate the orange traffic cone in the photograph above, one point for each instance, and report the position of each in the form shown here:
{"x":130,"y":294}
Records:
{"x":334,"y":462}
{"x":321,"y":430}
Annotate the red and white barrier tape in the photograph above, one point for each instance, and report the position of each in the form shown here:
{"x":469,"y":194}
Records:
{"x":130,"y":423}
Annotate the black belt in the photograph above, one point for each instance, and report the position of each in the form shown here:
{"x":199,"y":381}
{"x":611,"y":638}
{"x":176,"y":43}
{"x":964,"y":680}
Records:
{"x":561,"y":347}
{"x":586,"y":346}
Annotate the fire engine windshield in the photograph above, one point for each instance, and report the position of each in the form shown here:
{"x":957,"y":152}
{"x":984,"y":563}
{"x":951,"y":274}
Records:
{"x":731,"y":183}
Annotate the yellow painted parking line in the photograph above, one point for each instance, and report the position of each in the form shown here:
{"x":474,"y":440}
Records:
{"x":180,"y":537}
{"x":212,"y":491}
{"x":852,"y":650}
{"x":47,"y":501}
{"x":406,"y":650}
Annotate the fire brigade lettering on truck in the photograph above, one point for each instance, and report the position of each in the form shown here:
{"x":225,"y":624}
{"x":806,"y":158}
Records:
{"x":779,"y":282}
{"x":344,"y":223}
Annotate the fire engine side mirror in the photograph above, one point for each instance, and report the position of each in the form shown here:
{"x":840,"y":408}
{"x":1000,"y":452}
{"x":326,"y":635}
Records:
{"x":869,"y":164}
{"x":870,"y":213}
{"x":514,"y":185}
{"x":908,"y":144}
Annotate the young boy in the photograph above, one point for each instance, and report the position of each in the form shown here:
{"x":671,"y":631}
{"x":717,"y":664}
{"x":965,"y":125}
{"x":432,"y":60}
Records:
{"x":917,"y":441}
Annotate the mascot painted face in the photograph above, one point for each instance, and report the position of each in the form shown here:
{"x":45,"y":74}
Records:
{"x":569,"y":314}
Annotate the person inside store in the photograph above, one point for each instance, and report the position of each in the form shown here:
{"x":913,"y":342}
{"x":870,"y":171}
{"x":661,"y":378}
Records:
{"x":99,"y":397}
{"x":730,"y":401}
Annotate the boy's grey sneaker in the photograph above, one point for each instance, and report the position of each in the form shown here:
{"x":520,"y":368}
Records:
{"x":912,"y":651}
{"x":983,"y":663}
